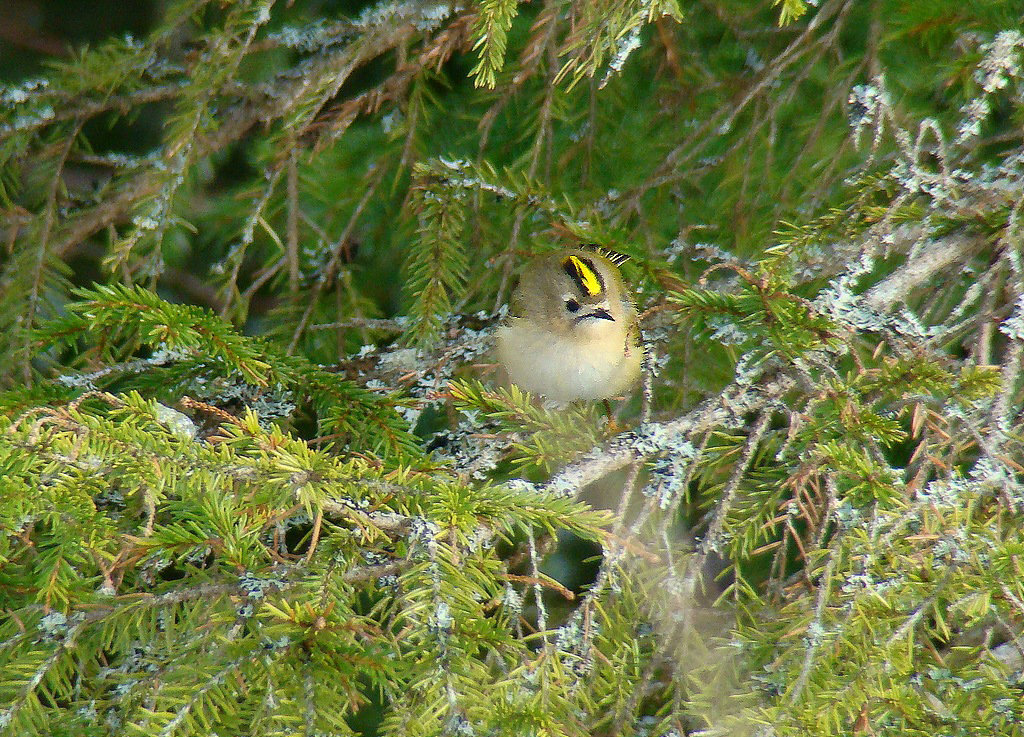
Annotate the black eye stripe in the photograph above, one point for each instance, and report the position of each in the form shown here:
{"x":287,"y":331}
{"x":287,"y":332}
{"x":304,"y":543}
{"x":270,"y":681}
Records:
{"x":572,"y":305}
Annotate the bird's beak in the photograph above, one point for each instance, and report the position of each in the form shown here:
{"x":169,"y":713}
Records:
{"x":599,"y":314}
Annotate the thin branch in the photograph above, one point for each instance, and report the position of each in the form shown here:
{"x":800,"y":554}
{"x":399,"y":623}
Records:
{"x":42,"y":251}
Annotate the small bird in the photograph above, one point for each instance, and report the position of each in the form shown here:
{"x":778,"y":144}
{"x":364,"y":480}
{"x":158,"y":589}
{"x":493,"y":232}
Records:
{"x":574,"y":333}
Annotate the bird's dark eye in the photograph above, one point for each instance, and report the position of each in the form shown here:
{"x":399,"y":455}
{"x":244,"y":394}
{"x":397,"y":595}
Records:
{"x":572,"y":305}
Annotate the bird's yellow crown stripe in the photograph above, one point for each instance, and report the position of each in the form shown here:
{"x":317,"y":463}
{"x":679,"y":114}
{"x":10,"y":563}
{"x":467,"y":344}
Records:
{"x":589,"y":280}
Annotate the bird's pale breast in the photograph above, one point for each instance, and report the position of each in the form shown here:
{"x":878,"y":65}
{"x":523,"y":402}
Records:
{"x":540,"y":361}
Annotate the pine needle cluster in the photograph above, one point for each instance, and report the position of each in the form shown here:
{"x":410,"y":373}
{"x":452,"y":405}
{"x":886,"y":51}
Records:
{"x":257,"y":476}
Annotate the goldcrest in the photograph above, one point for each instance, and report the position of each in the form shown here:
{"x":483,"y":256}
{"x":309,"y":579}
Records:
{"x":574,"y":332}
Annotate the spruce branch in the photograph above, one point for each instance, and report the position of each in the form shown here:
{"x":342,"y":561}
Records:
{"x":270,"y":525}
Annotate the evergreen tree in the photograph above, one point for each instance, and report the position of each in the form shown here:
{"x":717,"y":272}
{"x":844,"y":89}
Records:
{"x":256,"y":477}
